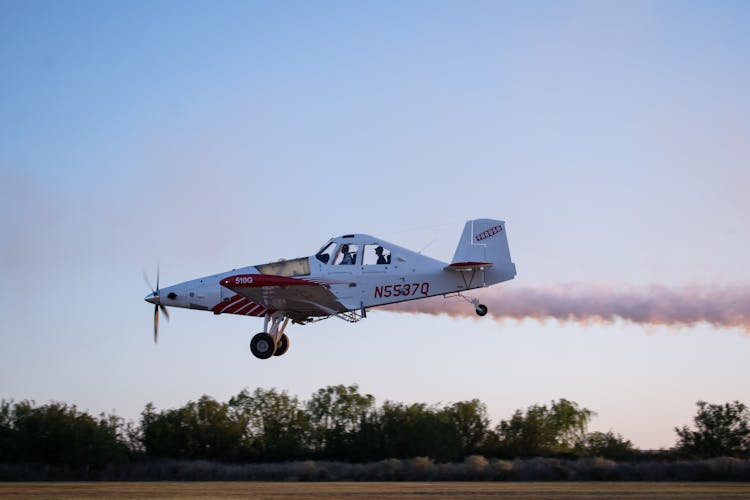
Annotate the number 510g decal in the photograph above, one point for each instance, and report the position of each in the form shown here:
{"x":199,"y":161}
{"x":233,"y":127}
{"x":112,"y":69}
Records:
{"x":404,"y":290}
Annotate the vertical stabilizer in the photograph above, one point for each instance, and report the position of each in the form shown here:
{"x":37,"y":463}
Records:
{"x":484,"y":241}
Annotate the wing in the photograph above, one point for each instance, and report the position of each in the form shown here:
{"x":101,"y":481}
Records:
{"x":299,"y":298}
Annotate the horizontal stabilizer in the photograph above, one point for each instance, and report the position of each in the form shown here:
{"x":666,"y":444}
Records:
{"x":468,"y":266}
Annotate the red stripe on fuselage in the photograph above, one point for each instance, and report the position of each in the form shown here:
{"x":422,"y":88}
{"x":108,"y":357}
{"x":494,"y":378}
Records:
{"x":255,"y":280}
{"x":257,"y":311}
{"x":236,"y":306}
{"x":245,"y":307}
{"x":222,"y":306}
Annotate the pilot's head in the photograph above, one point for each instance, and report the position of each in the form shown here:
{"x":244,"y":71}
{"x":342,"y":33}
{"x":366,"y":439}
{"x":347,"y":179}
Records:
{"x":379,"y":250}
{"x":344,"y":248}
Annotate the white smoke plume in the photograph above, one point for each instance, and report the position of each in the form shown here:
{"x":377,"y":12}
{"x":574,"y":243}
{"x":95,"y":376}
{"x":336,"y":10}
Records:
{"x":720,"y":306}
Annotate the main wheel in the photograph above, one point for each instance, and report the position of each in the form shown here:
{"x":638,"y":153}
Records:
{"x":282,"y":346}
{"x":262,"y":346}
{"x":481,"y":310}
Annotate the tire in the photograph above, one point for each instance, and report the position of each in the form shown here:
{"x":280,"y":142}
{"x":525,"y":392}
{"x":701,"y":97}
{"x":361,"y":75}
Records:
{"x":262,"y":346}
{"x":283,"y":345}
{"x":481,"y":310}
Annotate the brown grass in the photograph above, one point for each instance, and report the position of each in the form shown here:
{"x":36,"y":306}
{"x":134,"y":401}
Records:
{"x":262,"y":490}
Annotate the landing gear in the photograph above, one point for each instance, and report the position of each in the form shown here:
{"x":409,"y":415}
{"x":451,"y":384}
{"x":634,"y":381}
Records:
{"x":282,"y":346}
{"x":273,"y":341}
{"x":262,"y":346}
{"x":480,"y":309}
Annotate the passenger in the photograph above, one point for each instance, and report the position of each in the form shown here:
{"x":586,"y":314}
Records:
{"x":348,"y":257}
{"x":381,"y":258}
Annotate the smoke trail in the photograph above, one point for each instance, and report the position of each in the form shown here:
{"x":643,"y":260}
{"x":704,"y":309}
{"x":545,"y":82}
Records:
{"x":720,"y":306}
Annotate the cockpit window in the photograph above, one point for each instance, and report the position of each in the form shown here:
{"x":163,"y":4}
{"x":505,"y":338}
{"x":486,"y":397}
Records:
{"x":376,"y":255}
{"x":347,"y":255}
{"x":294,"y":267}
{"x":324,"y":255}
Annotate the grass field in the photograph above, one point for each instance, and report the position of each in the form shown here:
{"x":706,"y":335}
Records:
{"x":253,"y":490}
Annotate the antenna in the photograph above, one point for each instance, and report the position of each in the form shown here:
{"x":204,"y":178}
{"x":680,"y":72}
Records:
{"x":425,"y":247}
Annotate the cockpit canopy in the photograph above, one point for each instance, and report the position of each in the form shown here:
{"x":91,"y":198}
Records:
{"x":349,"y":250}
{"x":293,"y":267}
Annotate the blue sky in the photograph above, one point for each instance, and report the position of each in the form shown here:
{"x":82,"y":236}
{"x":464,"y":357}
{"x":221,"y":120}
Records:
{"x":611,"y":136}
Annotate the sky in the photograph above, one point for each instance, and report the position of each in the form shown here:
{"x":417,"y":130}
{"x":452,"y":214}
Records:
{"x":612,"y":137}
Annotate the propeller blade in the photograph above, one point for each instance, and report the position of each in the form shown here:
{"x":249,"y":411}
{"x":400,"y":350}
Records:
{"x":156,"y":323}
{"x":157,"y":305}
{"x":145,"y":278}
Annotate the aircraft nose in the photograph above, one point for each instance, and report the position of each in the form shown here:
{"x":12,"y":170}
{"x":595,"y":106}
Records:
{"x":153,"y":298}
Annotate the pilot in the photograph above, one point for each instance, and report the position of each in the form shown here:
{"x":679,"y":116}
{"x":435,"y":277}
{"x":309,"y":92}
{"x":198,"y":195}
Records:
{"x":348,"y":257}
{"x":381,"y":258}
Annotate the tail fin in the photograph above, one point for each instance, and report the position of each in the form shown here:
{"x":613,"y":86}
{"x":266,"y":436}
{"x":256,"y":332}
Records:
{"x":484,"y":241}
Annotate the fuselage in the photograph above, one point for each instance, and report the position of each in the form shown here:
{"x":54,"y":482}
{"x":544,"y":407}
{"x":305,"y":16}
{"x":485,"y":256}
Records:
{"x":362,"y":271}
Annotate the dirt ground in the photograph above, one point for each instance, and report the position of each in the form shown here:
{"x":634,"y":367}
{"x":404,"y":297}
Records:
{"x":473,"y":490}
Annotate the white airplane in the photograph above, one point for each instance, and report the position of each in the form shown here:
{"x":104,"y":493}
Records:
{"x":348,"y":275}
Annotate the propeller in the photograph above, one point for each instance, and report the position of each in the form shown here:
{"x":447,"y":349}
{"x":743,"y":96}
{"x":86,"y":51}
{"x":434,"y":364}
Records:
{"x":154,"y":299}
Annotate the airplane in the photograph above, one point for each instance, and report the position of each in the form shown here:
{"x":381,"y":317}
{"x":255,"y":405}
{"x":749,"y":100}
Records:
{"x":347,"y":276}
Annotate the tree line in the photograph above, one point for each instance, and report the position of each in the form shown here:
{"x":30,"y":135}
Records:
{"x":339,"y":423}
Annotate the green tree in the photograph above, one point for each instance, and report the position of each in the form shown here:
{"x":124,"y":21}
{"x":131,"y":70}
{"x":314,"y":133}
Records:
{"x":606,"y":445}
{"x":201,"y":429}
{"x":6,"y":431}
{"x":570,"y":422}
{"x":543,"y":431}
{"x":471,"y":424}
{"x":337,"y":414}
{"x":418,"y":430}
{"x":721,"y":430}
{"x":59,"y":434}
{"x":274,"y":423}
